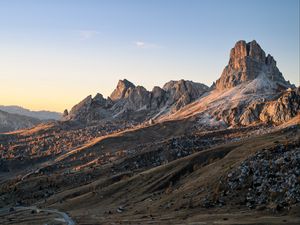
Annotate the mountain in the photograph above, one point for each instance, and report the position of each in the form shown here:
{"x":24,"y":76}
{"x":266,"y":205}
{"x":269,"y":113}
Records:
{"x":41,"y":115}
{"x":11,"y":122}
{"x":247,"y":62}
{"x":243,"y":95}
{"x":135,"y":103}
{"x":250,"y":90}
{"x":121,"y":89}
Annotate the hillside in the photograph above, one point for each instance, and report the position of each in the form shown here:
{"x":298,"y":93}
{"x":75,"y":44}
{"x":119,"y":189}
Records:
{"x":187,"y":187}
{"x":11,"y":122}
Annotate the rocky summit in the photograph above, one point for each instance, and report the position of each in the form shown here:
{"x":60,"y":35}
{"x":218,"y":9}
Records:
{"x":135,"y":103}
{"x":251,"y":90}
{"x":121,"y":89}
{"x":247,"y":62}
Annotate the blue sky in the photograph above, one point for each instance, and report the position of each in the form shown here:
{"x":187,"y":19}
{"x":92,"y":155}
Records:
{"x":53,"y":53}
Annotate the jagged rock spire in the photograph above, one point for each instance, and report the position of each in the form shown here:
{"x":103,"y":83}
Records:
{"x":121,"y":89}
{"x":247,"y":62}
{"x":135,"y":102}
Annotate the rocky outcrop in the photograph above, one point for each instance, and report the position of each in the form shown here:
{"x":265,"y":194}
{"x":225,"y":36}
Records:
{"x":121,"y":89}
{"x":65,"y":113}
{"x":251,"y":113}
{"x":247,"y":62}
{"x":135,"y":103}
{"x":159,"y":98}
{"x":283,"y":109}
{"x":183,"y":92}
{"x":277,"y":110}
{"x":90,"y":109}
{"x":134,"y":99}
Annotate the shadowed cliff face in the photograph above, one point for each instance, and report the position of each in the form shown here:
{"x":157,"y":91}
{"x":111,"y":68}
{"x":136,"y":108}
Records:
{"x":247,"y":62}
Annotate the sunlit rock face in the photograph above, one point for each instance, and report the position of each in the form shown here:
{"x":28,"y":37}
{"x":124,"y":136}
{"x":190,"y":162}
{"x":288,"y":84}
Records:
{"x":183,"y":92}
{"x":279,"y":110}
{"x":135,"y":103}
{"x":247,"y":62}
{"x":122,"y":87}
{"x":250,"y":90}
{"x":283,"y":109}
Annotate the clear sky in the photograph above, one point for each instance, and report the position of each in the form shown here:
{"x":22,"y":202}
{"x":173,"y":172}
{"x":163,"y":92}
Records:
{"x":53,"y":53}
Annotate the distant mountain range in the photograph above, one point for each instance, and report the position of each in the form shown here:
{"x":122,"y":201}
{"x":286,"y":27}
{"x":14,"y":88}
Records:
{"x":11,"y":122}
{"x":16,"y":117}
{"x":41,"y":115}
{"x":135,"y":103}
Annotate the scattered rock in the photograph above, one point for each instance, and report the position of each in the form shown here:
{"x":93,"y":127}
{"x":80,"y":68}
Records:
{"x":269,"y":179}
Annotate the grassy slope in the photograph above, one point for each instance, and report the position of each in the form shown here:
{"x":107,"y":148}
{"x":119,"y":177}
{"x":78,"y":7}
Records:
{"x":169,"y":191}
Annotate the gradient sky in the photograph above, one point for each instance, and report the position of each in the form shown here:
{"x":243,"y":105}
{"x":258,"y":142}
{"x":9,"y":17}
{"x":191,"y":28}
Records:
{"x":53,"y":53}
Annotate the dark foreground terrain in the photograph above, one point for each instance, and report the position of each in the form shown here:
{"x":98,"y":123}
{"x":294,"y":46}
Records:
{"x":182,"y":177}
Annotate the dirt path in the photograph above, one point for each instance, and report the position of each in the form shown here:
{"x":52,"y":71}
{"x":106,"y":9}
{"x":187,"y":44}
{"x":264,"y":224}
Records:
{"x":63,"y":216}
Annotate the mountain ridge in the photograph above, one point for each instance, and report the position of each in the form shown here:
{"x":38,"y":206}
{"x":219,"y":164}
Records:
{"x":250,"y":74}
{"x":11,"y":122}
{"x":128,"y":98}
{"x":39,"y":114}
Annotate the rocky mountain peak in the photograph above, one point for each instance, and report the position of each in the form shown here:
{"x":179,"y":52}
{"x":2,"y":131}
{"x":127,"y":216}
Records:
{"x":136,"y":102}
{"x":183,"y":92}
{"x":121,"y":89}
{"x":241,"y":50}
{"x":248,"y":61}
{"x":99,"y":99}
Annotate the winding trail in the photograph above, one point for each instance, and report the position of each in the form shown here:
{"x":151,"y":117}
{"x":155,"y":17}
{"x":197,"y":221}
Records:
{"x":64,"y":216}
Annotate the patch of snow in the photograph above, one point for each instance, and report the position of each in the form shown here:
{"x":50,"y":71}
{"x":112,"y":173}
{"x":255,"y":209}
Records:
{"x":163,"y":110}
{"x":209,"y":121}
{"x":261,"y":84}
{"x":215,"y":101}
{"x":142,"y":108}
{"x":119,"y":113}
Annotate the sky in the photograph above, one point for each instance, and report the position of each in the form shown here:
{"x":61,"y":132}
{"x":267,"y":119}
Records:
{"x":53,"y":53}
